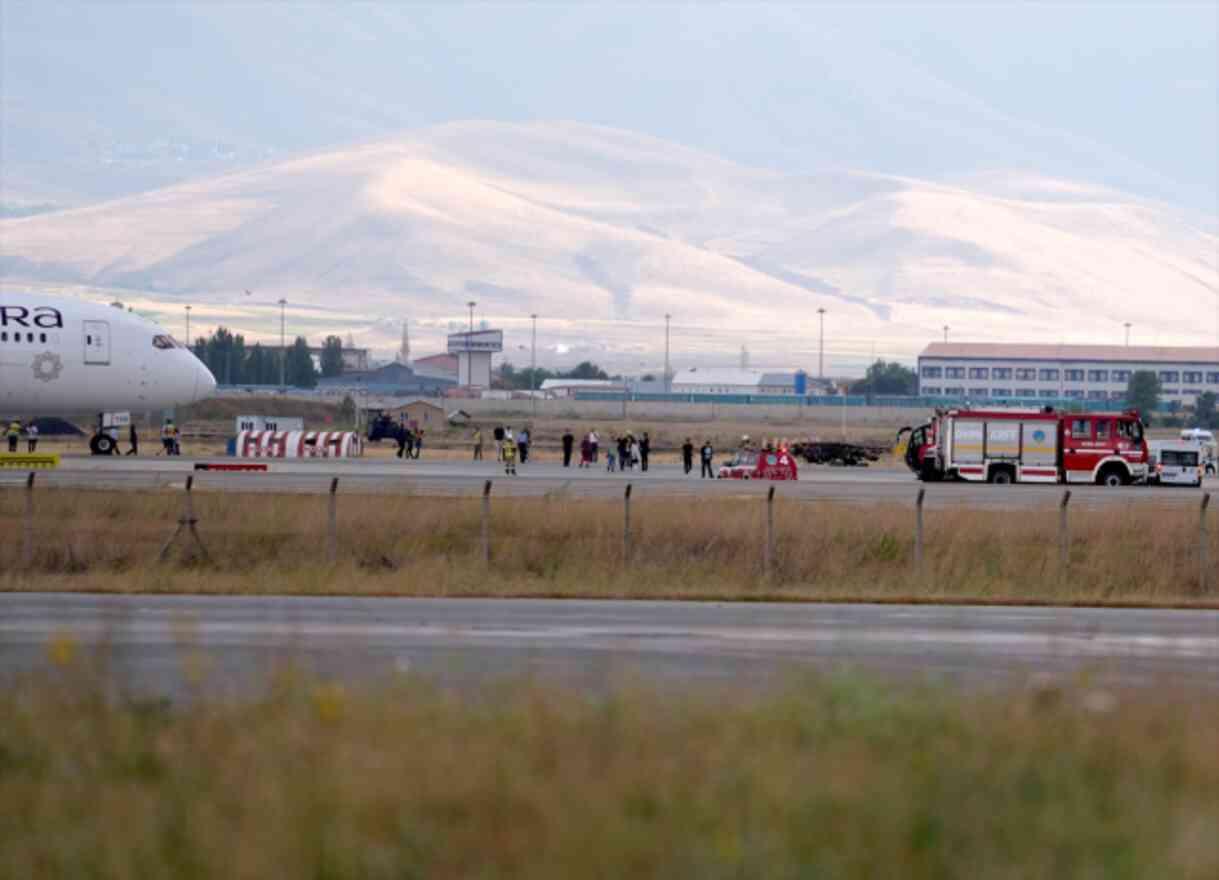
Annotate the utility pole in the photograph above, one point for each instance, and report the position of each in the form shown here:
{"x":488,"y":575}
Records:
{"x":821,"y":346}
{"x":668,"y":385}
{"x":1127,"y":334}
{"x":188,"y":342}
{"x":471,"y":304}
{"x":945,"y":332}
{"x":533,"y":367}
{"x":283,"y":346}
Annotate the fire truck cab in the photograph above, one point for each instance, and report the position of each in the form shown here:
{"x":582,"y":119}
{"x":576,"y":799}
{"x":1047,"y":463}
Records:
{"x":1030,"y":446}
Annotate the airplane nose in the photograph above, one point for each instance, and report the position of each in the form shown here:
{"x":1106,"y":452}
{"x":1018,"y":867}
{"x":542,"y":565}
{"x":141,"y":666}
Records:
{"x":205,"y":382}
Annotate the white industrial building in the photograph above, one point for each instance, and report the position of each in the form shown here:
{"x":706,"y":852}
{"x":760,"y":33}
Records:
{"x":975,"y":371}
{"x":733,"y":380}
{"x":572,"y":387}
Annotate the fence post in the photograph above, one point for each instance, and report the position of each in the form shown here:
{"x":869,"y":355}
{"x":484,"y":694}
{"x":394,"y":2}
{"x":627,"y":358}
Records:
{"x":27,"y":538}
{"x":918,"y":531}
{"x":768,"y":561}
{"x":332,"y":523}
{"x":1064,"y":536}
{"x":1204,"y":569}
{"x":486,"y":524}
{"x":187,"y":523}
{"x":626,"y":525}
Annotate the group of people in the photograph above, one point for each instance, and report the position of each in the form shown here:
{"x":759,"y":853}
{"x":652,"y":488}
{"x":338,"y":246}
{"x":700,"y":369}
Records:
{"x":410,"y":442}
{"x":626,"y":452}
{"x":509,"y":446}
{"x":706,"y":454}
{"x":16,"y":430}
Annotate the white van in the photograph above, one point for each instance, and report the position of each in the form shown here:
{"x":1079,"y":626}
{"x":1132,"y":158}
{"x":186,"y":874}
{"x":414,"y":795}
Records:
{"x":1205,"y":441}
{"x":1175,"y":464}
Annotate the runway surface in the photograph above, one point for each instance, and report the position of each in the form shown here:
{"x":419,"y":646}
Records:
{"x":549,"y":478}
{"x":595,"y":645}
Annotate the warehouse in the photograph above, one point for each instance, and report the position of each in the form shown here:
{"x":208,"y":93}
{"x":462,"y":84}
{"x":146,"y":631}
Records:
{"x":730,"y":380}
{"x":976,"y":371}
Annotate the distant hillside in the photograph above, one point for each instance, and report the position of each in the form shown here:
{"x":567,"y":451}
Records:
{"x":602,"y":232}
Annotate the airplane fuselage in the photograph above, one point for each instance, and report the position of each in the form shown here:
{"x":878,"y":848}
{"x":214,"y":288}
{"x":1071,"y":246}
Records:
{"x":61,"y":356}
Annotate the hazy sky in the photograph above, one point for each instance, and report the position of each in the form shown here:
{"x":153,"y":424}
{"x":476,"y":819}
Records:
{"x":1123,"y":94}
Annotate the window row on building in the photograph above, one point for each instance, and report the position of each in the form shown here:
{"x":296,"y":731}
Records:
{"x":1026,"y":393}
{"x":1053,"y":374}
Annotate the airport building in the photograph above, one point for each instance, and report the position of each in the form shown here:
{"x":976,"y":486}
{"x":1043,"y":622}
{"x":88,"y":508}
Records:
{"x":986,"y":371}
{"x":732,"y":380}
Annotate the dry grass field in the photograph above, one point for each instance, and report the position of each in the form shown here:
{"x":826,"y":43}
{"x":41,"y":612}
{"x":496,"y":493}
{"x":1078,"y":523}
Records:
{"x":826,"y":778}
{"x":559,"y":546}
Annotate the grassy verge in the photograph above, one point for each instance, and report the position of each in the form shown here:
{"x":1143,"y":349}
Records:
{"x":709,"y":548}
{"x":833,"y":778}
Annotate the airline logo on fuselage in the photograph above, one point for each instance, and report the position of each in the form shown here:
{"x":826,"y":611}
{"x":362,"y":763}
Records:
{"x":43,"y":317}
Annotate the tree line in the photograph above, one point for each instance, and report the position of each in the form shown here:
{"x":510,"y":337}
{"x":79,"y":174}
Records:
{"x":234,"y":362}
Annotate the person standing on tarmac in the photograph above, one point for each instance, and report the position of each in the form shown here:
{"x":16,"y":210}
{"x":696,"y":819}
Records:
{"x":687,"y":455}
{"x":31,"y":437}
{"x":478,"y":444}
{"x":133,"y":439}
{"x":418,"y":444}
{"x":14,"y":434}
{"x":569,"y":442}
{"x":522,"y":444}
{"x":498,"y":434}
{"x":706,"y":454}
{"x":645,"y":449}
{"x":509,"y":454}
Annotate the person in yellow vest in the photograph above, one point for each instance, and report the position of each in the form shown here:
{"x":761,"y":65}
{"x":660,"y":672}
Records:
{"x":14,"y":434}
{"x":478,"y":444}
{"x":509,"y":453}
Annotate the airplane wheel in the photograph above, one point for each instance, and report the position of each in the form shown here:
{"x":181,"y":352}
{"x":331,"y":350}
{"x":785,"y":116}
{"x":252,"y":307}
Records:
{"x":101,"y":444}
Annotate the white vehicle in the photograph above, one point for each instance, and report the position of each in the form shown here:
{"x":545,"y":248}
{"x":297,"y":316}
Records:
{"x":1204,"y":441}
{"x":61,"y":356}
{"x":1175,"y":464}
{"x":1200,"y":436}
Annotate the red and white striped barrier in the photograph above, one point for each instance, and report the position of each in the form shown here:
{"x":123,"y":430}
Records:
{"x":299,"y":444}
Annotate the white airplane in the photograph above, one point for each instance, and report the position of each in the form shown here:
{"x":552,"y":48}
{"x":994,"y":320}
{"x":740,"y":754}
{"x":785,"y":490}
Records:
{"x":62,"y":356}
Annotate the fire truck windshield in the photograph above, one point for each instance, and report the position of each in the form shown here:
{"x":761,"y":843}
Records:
{"x":1131,"y":429}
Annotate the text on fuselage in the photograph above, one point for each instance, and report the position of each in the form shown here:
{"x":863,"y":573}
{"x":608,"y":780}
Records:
{"x":44,"y":317}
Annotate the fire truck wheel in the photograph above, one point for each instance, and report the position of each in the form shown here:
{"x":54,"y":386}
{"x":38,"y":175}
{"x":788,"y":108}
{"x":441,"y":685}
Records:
{"x":1001,"y":477}
{"x":1112,"y":478}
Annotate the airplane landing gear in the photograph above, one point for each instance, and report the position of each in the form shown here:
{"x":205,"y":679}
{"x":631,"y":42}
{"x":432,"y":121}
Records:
{"x":102,"y":444}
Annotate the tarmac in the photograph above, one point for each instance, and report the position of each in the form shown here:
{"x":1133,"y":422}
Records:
{"x":448,"y":477}
{"x":159,"y":645}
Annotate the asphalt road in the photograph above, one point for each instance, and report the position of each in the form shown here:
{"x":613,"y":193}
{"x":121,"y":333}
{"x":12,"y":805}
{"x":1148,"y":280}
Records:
{"x":596,"y":645}
{"x":449,"y":477}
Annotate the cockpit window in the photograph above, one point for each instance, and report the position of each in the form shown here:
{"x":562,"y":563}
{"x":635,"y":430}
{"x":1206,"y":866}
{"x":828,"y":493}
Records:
{"x":160,"y":341}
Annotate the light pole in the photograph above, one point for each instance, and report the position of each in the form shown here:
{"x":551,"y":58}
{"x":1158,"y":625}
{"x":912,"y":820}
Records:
{"x":945,"y":332}
{"x":533,"y":368}
{"x":1127,"y":334}
{"x":283,"y":346}
{"x":668,"y":385}
{"x":471,"y":304}
{"x":821,"y":346}
{"x":188,"y":343}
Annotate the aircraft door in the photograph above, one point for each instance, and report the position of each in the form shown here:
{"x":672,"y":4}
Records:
{"x":97,"y":342}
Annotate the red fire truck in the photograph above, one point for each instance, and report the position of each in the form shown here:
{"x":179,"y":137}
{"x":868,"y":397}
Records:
{"x":1029,"y":446}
